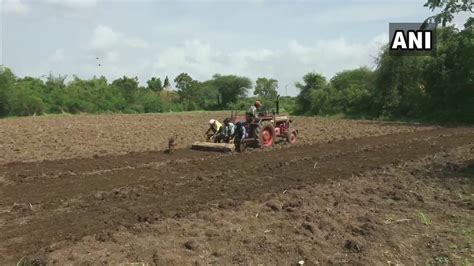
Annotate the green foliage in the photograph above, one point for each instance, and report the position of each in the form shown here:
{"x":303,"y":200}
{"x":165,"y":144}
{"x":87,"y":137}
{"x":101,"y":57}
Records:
{"x":424,"y":219}
{"x":266,"y":89}
{"x":450,"y":78}
{"x":23,"y":100}
{"x":230,"y":88}
{"x":29,"y":96}
{"x":448,"y":9}
{"x":154,"y":84}
{"x":437,"y":88}
{"x":355,"y":87}
{"x":326,"y":101}
{"x":7,"y":79}
{"x":400,"y":85}
{"x":440,"y":260}
{"x":189,"y":91}
{"x":127,"y":86}
{"x":195,"y":95}
{"x":166,"y":83}
{"x":312,"y":82}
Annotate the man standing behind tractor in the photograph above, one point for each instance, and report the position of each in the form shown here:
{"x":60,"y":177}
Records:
{"x":252,"y":111}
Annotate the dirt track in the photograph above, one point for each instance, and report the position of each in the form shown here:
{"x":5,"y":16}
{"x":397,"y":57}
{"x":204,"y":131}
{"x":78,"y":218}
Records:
{"x":51,"y":209}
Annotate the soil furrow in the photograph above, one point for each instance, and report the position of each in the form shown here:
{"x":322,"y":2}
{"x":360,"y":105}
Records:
{"x":71,"y":206}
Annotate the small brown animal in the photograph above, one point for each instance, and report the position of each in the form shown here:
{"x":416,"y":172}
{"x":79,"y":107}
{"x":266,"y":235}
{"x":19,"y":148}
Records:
{"x":172,"y":144}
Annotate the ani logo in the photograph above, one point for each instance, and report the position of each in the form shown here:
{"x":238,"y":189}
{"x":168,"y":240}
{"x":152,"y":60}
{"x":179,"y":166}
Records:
{"x":412,"y":39}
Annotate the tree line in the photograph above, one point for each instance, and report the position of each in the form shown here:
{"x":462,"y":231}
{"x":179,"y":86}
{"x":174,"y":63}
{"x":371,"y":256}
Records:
{"x":438,"y":88}
{"x":29,"y":96}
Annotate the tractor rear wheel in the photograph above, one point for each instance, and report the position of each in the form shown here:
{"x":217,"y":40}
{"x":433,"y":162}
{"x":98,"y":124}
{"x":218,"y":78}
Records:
{"x":265,"y":135}
{"x":291,"y":136}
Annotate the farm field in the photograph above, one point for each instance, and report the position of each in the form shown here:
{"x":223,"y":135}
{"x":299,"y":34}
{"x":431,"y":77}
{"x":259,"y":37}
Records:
{"x":31,"y":139}
{"x":100,"y":189}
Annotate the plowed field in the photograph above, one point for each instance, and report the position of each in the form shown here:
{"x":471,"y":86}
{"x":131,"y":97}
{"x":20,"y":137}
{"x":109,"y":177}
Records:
{"x":99,"y":189}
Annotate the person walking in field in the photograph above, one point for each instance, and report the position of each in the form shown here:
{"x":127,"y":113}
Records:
{"x":252,"y":111}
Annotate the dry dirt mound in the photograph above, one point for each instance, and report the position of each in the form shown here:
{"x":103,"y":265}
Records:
{"x":402,"y":197}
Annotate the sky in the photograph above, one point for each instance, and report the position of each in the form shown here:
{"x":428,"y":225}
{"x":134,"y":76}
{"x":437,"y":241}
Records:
{"x":283,"y":39}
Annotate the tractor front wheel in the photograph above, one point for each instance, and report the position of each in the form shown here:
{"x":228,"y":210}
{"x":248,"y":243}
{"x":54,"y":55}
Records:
{"x":265,"y":135}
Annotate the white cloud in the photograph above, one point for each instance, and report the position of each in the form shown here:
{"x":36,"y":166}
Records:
{"x":333,"y":55}
{"x":74,"y":4}
{"x":112,"y":56}
{"x":136,"y":43}
{"x":256,"y":55}
{"x":105,"y":38}
{"x":201,"y":60}
{"x":83,"y":9}
{"x":15,"y":7}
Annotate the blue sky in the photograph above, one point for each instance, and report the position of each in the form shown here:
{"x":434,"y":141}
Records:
{"x":255,"y":38}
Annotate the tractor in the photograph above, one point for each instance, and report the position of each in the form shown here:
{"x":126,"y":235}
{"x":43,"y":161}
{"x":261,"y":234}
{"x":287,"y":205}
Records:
{"x":263,"y":130}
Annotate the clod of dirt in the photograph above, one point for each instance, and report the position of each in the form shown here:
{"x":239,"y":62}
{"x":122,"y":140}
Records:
{"x":99,"y":195}
{"x":309,"y":227}
{"x":156,"y":259}
{"x":143,"y":219}
{"x":104,"y":236}
{"x":191,"y":245}
{"x":21,"y":207}
{"x":292,"y":206}
{"x":216,"y":254}
{"x":31,"y":262}
{"x":229,"y":203}
{"x":364,"y":229}
{"x":274,"y":205}
{"x":353,"y":246}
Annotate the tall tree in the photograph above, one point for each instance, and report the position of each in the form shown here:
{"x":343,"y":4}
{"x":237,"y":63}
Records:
{"x":231,"y":88}
{"x":154,"y":84}
{"x":166,"y":84}
{"x":399,"y":82}
{"x":128,"y":87}
{"x":188,"y":90}
{"x":266,"y":88}
{"x":311,"y":82}
{"x":449,"y":79}
{"x":355,"y":88}
{"x":7,"y":80}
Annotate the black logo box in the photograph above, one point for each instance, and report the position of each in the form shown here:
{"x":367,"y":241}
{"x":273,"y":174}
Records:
{"x":405,"y":28}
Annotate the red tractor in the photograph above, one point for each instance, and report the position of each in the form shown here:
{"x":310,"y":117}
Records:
{"x":263,"y":131}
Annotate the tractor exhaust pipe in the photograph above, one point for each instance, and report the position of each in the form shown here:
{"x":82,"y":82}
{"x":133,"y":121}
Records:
{"x":278,"y":104}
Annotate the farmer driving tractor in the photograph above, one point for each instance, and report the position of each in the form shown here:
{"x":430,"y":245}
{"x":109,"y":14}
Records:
{"x":252,"y":111}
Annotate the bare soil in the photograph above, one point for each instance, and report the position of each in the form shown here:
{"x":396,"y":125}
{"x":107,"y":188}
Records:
{"x":30,"y":139}
{"x":349,"y":193}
